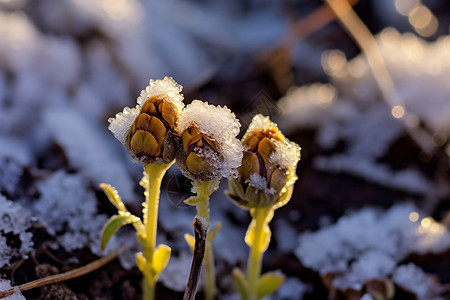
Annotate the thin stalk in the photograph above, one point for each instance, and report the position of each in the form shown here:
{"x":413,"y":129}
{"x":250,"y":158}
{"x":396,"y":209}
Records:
{"x":257,"y":248}
{"x":154,"y":173}
{"x":203,"y":193}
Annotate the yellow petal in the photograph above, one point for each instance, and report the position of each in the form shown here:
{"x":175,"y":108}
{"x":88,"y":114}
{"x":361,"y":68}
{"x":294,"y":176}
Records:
{"x":169,"y":113}
{"x":186,"y":138}
{"x":278,"y":179}
{"x":196,"y":164}
{"x":265,"y":147}
{"x":249,"y":165}
{"x":142,"y":122}
{"x":143,"y":142}
{"x":251,"y":141}
{"x":149,"y":107}
{"x":158,"y":130}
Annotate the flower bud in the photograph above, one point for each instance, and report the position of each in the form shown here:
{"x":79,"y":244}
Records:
{"x":147,"y":130}
{"x":267,"y":174}
{"x":210,"y":149}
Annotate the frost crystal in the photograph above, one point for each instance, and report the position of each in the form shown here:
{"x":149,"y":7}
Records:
{"x":219,"y":124}
{"x":70,"y":211}
{"x":14,"y":220}
{"x":260,"y":183}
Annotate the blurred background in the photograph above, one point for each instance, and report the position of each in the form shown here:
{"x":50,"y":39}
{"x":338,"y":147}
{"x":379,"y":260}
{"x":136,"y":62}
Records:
{"x":370,"y":211}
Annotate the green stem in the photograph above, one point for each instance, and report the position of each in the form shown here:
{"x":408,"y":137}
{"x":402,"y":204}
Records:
{"x":203,"y":193}
{"x":154,"y":173}
{"x":149,"y":290}
{"x":260,"y":220}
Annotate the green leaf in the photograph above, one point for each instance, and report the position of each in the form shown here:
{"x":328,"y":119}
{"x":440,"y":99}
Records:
{"x":161,"y":257}
{"x":269,"y":283}
{"x":190,"y":240}
{"x":113,"y":224}
{"x":241,"y":283}
{"x":113,"y":196}
{"x":191,"y":200}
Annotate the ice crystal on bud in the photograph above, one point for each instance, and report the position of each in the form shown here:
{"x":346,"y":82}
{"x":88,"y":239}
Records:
{"x":145,"y":130}
{"x":210,"y":148}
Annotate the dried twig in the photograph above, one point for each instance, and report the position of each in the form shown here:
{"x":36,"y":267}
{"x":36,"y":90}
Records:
{"x":200,"y":230}
{"x":67,"y":275}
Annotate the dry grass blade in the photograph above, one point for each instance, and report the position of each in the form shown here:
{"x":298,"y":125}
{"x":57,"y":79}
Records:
{"x":67,"y":275}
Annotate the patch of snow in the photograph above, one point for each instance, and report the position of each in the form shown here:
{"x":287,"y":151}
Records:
{"x":285,"y":235}
{"x":369,"y":265}
{"x":414,"y":279}
{"x":69,"y":211}
{"x":15,"y":220}
{"x":176,"y":274}
{"x":6,"y":285}
{"x":88,"y":149}
{"x":292,"y":289}
{"x":366,"y":297}
{"x":390,"y":234}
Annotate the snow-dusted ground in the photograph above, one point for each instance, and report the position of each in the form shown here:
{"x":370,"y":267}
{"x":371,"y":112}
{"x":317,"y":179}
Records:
{"x":67,"y":66}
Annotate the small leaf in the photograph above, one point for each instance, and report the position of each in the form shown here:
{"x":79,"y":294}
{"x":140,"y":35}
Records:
{"x":212,"y":234}
{"x":113,"y":196}
{"x":191,"y":200}
{"x":263,"y":241}
{"x":269,"y":283}
{"x":113,"y":224}
{"x":241,"y":283}
{"x":161,"y":257}
{"x":140,"y":261}
{"x":190,"y":240}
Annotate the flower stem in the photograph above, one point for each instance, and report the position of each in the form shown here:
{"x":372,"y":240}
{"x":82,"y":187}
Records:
{"x":258,"y":244}
{"x":203,"y":193}
{"x":154,"y":174}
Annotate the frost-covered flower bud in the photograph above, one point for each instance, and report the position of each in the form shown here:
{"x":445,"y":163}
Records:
{"x":210,"y":149}
{"x":267,"y":174}
{"x":146,"y":130}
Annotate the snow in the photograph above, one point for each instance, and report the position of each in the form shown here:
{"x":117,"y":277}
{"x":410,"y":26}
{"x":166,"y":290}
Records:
{"x":15,"y":220}
{"x":414,"y":279}
{"x":352,"y":247}
{"x":222,"y":127}
{"x":69,"y":211}
{"x":6,"y":285}
{"x":176,"y":274}
{"x":350,"y":109}
{"x":87,"y":148}
{"x":291,"y":289}
{"x":259,"y":182}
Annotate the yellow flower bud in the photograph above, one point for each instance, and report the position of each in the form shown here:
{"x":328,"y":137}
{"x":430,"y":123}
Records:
{"x":267,"y":174}
{"x":149,"y":138}
{"x":210,"y":149}
{"x":199,"y":154}
{"x":147,"y":130}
